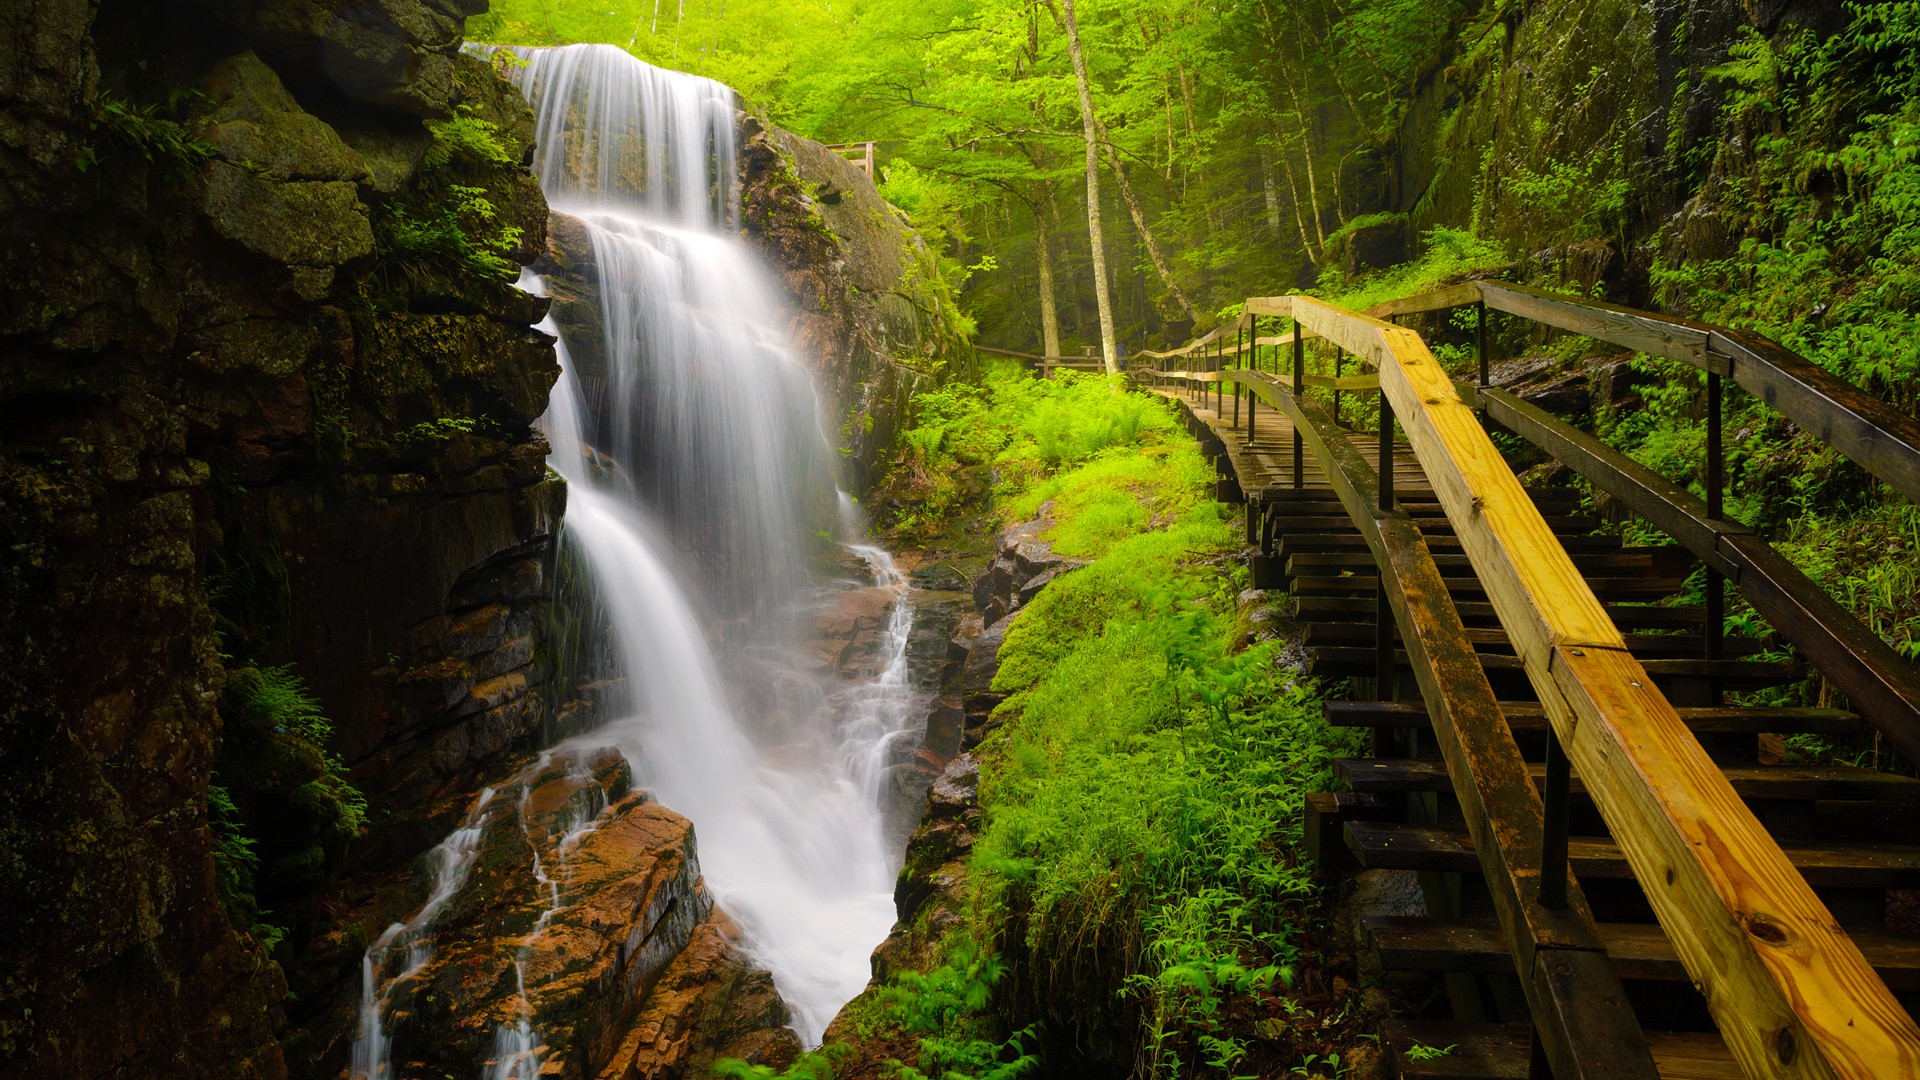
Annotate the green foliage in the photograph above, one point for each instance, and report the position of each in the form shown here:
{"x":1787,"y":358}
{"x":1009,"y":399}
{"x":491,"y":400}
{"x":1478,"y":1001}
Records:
{"x":974,"y":106}
{"x":946,"y":1008}
{"x":281,"y":806}
{"x":1148,"y":792}
{"x":461,"y":237}
{"x":466,"y":137}
{"x":1023,"y":430}
{"x":442,"y":428}
{"x":1445,"y":255}
{"x":454,"y":227}
{"x":812,"y":1065}
{"x":1423,"y":1052}
{"x":146,"y":128}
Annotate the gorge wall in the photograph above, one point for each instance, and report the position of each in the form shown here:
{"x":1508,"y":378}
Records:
{"x":268,"y":455}
{"x":1590,"y":136}
{"x":253,"y":417}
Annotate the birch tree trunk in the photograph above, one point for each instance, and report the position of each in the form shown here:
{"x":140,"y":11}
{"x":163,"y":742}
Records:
{"x":1109,"y":350}
{"x":1049,"y":307}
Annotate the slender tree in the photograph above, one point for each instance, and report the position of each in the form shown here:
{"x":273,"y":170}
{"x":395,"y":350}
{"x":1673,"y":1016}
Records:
{"x":1109,"y":350}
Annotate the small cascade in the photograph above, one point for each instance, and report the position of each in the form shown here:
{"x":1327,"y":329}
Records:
{"x":701,"y":506}
{"x":403,"y":950}
{"x":517,"y":1051}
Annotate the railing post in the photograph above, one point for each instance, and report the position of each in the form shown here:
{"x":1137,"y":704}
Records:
{"x":1553,"y":836}
{"x":1386,"y":453}
{"x":1299,"y":390}
{"x":1715,"y":628}
{"x":1253,"y":402}
{"x":1338,"y":356}
{"x":1219,"y":388}
{"x":1240,"y":361}
{"x":1480,"y":338}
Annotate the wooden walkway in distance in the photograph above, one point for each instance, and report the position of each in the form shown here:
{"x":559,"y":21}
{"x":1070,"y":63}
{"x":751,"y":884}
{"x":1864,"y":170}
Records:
{"x":1267,"y":463}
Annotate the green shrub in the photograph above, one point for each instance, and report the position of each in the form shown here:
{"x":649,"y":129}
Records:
{"x":280,"y":806}
{"x":1019,"y":429}
{"x":1144,"y":805}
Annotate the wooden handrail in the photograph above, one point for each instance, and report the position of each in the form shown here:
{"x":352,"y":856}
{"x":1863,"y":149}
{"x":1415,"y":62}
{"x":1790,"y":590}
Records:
{"x":864,"y":160}
{"x":1879,"y":682}
{"x":1791,"y":993}
{"x":1866,"y":430}
{"x":1571,"y":987}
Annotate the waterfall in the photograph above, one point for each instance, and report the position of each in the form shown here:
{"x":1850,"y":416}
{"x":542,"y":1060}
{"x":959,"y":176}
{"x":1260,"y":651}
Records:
{"x":700,"y":495}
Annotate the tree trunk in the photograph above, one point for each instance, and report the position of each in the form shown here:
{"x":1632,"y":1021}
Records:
{"x":1049,"y":307}
{"x":1140,"y":222}
{"x":1109,"y":349}
{"x":1267,"y":186}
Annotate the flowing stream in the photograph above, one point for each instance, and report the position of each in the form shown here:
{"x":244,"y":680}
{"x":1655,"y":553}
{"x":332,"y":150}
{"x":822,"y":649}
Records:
{"x":700,"y":499}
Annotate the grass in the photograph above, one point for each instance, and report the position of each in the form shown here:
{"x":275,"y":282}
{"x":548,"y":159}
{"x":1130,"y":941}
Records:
{"x":1143,"y":805}
{"x":1012,"y":433}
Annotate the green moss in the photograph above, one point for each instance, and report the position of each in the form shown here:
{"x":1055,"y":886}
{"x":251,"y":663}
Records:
{"x":1024,"y":430}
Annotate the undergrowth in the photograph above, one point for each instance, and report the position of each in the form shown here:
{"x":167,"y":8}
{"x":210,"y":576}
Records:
{"x":1011,"y":433}
{"x":1143,"y":808}
{"x":459,"y":230}
{"x":280,"y":805}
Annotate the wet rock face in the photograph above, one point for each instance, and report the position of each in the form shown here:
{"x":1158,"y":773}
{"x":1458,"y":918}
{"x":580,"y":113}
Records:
{"x":629,"y":969}
{"x":870,"y":307}
{"x":225,"y":389}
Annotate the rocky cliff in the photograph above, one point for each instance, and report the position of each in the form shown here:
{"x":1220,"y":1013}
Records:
{"x":1583,"y":134}
{"x":268,"y":397}
{"x":870,"y":306}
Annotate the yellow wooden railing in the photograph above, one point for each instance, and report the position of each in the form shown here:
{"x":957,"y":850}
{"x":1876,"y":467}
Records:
{"x":1791,"y":993}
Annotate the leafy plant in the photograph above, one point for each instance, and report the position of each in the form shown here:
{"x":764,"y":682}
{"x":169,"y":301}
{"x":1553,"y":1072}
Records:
{"x":146,"y":128}
{"x":462,"y":236}
{"x":1422,"y":1052}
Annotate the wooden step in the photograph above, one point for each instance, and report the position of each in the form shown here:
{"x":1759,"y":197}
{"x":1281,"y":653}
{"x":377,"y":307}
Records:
{"x":1494,"y":639}
{"x":1470,"y":588}
{"x":1530,"y":716}
{"x":1394,"y":846}
{"x":1623,"y":563}
{"x":1626,"y":617}
{"x":1799,"y":783}
{"x":1504,"y":1052}
{"x":1421,"y":496}
{"x":1290,"y":544}
{"x":1342,"y":661}
{"x":1333,"y":518}
{"x":1638,"y":950}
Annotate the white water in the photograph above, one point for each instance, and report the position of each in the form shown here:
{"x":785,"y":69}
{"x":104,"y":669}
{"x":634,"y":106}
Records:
{"x":696,"y":467}
{"x":405,"y":947}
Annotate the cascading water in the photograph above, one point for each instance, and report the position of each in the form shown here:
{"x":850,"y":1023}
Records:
{"x":689,"y":436}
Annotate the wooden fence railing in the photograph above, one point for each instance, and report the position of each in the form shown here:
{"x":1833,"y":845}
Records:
{"x":860,"y":153}
{"x":1791,"y":993}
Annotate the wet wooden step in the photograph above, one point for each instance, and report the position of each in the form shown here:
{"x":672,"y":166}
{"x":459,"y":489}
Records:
{"x":1638,"y":950}
{"x":1333,"y":519}
{"x":1627,"y":617}
{"x":1530,"y":716}
{"x":1421,"y":497}
{"x":1626,"y":562}
{"x":1799,"y":783}
{"x":1342,"y":661}
{"x":1494,"y":639}
{"x":1504,"y":1052}
{"x":1470,"y":588}
{"x":1392,"y":846}
{"x":1290,"y":544}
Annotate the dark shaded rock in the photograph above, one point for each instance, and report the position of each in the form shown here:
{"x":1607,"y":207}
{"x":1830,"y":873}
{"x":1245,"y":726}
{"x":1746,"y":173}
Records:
{"x":213,"y":392}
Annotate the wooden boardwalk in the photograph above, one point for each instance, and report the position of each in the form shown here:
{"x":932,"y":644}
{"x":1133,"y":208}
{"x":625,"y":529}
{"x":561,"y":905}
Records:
{"x":1566,"y":747}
